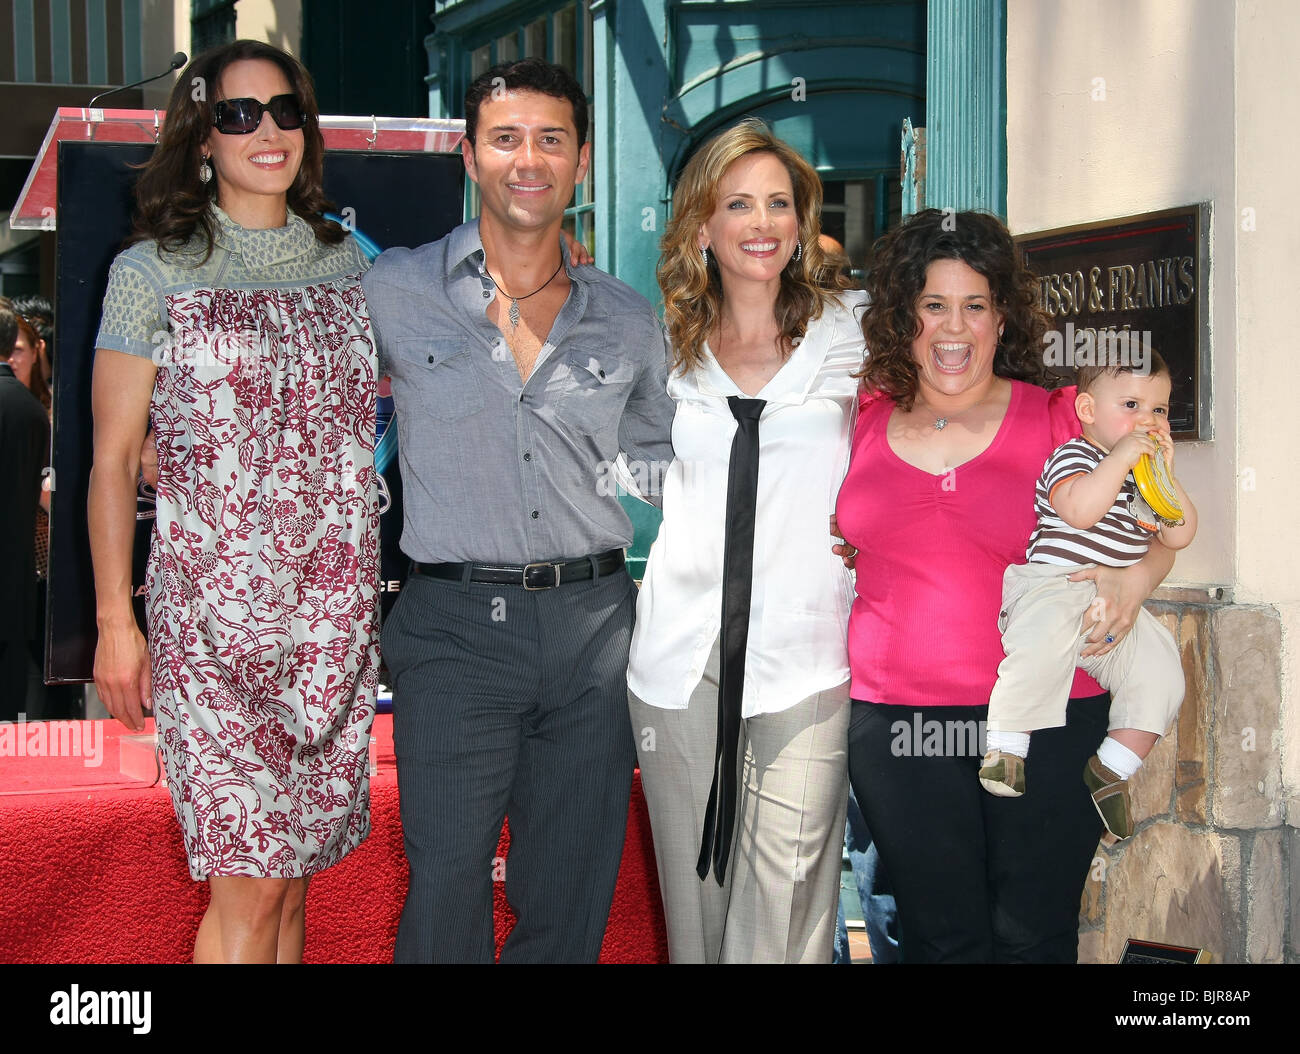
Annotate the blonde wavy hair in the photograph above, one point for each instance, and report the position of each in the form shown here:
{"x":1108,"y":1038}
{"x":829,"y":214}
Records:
{"x":692,"y":289}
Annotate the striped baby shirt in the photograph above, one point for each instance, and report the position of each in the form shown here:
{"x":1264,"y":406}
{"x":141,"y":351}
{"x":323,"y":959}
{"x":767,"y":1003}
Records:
{"x":1118,"y":539}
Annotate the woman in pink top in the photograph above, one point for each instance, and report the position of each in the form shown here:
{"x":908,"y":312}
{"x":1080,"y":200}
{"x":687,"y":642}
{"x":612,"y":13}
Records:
{"x":953,"y":430}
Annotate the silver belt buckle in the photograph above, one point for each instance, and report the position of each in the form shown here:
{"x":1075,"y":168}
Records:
{"x":555,"y":568}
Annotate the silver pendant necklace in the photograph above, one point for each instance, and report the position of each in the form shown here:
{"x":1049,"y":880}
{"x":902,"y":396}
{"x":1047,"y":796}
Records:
{"x":514,"y":300}
{"x":940,"y":423}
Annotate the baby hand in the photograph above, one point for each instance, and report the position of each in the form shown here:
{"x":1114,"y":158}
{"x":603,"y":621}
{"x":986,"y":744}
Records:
{"x":1166,"y":444}
{"x":1129,"y":449}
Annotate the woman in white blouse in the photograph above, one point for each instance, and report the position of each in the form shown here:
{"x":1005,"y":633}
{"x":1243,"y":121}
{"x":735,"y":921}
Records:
{"x":765,"y":345}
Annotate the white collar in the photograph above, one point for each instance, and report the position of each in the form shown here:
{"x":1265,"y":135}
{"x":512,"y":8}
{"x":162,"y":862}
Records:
{"x":791,"y":383}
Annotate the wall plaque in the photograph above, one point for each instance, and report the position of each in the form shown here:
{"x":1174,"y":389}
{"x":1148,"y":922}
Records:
{"x":1114,"y":289}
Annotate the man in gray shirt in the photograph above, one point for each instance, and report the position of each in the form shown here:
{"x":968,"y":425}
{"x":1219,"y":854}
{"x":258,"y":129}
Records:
{"x":517,"y":381}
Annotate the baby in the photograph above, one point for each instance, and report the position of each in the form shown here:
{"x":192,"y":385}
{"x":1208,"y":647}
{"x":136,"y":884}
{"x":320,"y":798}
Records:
{"x":1089,"y":513}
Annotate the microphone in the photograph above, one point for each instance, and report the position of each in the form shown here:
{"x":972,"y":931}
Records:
{"x":178,"y":60}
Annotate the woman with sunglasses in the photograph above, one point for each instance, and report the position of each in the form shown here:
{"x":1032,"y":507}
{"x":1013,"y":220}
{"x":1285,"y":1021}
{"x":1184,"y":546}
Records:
{"x":237,"y":325}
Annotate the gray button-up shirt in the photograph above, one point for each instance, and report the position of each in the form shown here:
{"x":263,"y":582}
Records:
{"x":495,"y":469}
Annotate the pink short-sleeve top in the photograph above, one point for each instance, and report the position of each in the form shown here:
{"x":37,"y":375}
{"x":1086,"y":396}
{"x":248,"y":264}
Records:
{"x":932,"y":551}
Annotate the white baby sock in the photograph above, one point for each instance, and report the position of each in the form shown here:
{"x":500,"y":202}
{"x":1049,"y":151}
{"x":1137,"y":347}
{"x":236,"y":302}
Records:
{"x":1016,"y":743}
{"x":1118,"y":758}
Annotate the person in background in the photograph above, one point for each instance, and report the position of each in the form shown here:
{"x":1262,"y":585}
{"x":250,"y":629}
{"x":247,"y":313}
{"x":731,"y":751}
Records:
{"x":738,"y":677}
{"x":28,"y":362}
{"x":261,"y":664}
{"x":30,"y":366}
{"x":875,"y":894}
{"x":953,"y":430}
{"x":837,"y":260}
{"x":38,"y":310}
{"x":24,"y":453}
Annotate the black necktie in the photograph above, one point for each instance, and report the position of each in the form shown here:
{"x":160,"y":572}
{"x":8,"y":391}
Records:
{"x":737,"y":579}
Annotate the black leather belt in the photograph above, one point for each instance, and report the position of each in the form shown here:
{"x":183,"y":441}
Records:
{"x":542,"y":575}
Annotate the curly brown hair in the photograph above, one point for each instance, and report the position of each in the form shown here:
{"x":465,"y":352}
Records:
{"x":692,"y":289}
{"x":903,"y":256}
{"x":172,"y":203}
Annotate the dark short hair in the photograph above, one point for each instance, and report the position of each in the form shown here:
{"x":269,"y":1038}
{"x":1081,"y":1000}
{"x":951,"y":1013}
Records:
{"x":35,"y":306}
{"x":1086,"y":376}
{"x":37,"y":309}
{"x":536,"y":75}
{"x":8,"y":333}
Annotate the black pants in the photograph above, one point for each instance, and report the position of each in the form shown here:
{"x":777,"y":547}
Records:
{"x":509,"y":701}
{"x":978,"y":878}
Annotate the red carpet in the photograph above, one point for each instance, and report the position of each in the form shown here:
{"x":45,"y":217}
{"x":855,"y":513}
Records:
{"x":92,"y":870}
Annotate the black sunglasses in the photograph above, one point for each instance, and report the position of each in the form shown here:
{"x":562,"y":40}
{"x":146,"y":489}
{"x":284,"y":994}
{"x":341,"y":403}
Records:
{"x":243,"y":116}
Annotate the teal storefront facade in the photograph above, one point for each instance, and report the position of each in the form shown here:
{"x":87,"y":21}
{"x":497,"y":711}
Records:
{"x":835,"y":78}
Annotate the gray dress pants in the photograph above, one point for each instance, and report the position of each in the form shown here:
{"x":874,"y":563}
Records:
{"x":513,"y":702}
{"x":781,"y":891}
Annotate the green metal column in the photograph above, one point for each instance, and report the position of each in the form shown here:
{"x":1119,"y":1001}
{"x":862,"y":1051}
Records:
{"x":631,"y":83}
{"x":966,"y":105}
{"x":630,"y":78}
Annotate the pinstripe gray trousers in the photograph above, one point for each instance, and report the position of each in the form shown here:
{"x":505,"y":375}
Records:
{"x":507,"y":701}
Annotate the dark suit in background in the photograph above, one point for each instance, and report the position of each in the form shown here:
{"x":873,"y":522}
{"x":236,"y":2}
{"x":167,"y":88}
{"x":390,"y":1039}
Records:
{"x":24,"y":452}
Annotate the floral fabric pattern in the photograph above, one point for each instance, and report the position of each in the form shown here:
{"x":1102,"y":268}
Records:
{"x":264,"y":567}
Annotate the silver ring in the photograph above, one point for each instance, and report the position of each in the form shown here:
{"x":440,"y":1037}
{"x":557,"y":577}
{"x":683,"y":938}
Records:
{"x":1110,"y":639}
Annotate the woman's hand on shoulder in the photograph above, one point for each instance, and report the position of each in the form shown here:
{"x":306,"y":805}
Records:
{"x":578,"y":255}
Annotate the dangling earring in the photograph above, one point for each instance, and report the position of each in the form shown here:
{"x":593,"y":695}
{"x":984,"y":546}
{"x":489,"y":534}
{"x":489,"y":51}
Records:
{"x":798,"y":253}
{"x":205,"y":171}
{"x":704,"y":255}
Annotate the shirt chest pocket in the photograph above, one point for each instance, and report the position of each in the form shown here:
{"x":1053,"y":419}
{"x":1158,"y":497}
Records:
{"x":589,"y":389}
{"x":443,"y":376}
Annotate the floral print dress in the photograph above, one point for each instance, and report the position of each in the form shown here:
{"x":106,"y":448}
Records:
{"x":263,"y":569}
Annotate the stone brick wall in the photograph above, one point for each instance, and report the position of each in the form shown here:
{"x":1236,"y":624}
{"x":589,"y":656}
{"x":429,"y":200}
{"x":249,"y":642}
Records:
{"x":1210,"y":862}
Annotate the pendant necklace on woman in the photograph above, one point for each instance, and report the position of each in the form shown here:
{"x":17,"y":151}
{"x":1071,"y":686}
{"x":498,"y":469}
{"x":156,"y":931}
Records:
{"x":940,"y":423}
{"x":514,"y":300}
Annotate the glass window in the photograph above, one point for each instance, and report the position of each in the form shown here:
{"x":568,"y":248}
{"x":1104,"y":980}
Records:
{"x":565,"y":38}
{"x":585,"y":199}
{"x":508,"y":48}
{"x":535,"y":39}
{"x":588,"y":49}
{"x":855,"y":212}
{"x":212,"y":22}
